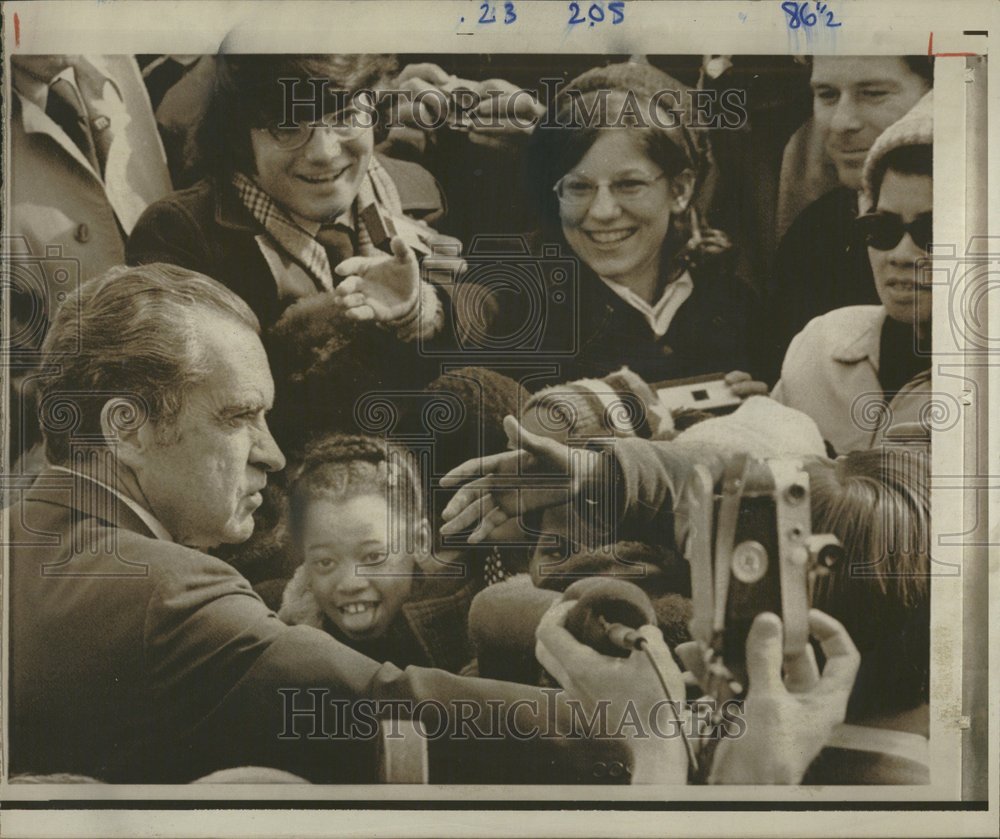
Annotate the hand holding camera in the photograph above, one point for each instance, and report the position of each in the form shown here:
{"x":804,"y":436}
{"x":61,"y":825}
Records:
{"x":790,"y":709}
{"x":493,"y":112}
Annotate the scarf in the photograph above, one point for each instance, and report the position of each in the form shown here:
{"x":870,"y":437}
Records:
{"x":381,"y":207}
{"x":377,"y":203}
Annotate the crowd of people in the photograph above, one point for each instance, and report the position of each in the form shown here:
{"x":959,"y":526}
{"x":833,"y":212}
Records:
{"x":343,"y":393}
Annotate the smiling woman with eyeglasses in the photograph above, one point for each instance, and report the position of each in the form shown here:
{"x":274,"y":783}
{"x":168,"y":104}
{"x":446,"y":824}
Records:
{"x":858,"y":370}
{"x":656,"y":289}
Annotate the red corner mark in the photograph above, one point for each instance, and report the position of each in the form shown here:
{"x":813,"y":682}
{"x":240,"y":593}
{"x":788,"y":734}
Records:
{"x":17,"y":30}
{"x":930,"y":51}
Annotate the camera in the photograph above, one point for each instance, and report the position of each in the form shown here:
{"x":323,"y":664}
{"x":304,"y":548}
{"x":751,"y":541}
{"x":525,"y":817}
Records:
{"x":704,"y":393}
{"x":509,"y":300}
{"x":751,"y":549}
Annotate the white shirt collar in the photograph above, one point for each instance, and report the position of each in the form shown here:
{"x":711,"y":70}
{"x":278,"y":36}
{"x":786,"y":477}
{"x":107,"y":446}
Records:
{"x":148,"y":519}
{"x":659,"y":315}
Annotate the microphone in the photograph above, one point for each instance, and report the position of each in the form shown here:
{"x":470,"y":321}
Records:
{"x":502,"y":623}
{"x":607,"y":613}
{"x":606,"y":616}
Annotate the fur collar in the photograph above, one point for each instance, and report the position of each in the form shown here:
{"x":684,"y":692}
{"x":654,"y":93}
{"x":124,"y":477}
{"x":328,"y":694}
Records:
{"x":299,"y":606}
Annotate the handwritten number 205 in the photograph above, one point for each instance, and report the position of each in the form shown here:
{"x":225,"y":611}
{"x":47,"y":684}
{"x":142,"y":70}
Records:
{"x":596,"y":13}
{"x":488,"y":13}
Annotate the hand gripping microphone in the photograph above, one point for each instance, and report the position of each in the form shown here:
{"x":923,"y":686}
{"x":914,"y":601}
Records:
{"x":607,"y":613}
{"x":606,"y":616}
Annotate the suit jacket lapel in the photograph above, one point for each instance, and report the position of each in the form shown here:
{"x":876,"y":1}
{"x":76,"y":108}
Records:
{"x":36,"y":121}
{"x":86,"y":499}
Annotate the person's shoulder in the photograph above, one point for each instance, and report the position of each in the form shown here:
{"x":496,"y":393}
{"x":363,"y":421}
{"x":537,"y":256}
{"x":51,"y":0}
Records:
{"x":170,"y":565}
{"x":825,"y":218}
{"x":845,"y":321}
{"x":419,"y":192}
{"x":197,"y":200}
{"x":837,"y":201}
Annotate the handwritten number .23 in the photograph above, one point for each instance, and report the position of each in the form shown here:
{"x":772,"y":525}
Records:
{"x":488,"y":13}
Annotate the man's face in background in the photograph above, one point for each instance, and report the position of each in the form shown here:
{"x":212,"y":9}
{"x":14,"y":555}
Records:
{"x":854,"y":100}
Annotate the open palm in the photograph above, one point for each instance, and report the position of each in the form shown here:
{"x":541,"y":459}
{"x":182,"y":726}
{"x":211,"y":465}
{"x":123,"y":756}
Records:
{"x":380,"y":288}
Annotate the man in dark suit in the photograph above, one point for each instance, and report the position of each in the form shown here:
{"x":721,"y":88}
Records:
{"x":135,"y":656}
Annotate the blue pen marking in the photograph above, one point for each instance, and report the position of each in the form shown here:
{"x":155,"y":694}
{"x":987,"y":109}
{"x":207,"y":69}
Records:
{"x":596,"y":13}
{"x":801,"y":17}
{"x":488,"y":13}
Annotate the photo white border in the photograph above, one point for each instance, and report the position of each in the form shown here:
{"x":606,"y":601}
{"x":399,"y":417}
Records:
{"x":743,"y":28}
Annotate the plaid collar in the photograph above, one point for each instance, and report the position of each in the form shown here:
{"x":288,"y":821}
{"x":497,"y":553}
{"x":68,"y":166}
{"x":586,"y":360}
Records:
{"x":377,"y":196}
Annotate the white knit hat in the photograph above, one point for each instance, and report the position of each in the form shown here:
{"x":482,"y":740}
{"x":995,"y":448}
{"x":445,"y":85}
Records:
{"x":914,"y":128}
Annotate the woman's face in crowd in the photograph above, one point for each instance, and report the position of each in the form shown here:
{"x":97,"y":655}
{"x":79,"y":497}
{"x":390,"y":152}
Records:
{"x":359,"y":584}
{"x":318,"y":181}
{"x":621,"y":237}
{"x":895,"y":270}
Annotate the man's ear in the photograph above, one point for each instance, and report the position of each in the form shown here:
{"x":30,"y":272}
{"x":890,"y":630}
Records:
{"x":127,"y":429}
{"x":423,"y":545}
{"x":681,"y":190}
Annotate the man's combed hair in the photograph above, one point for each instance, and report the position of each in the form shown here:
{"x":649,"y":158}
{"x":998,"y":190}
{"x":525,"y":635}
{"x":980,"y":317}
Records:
{"x":129,"y":336}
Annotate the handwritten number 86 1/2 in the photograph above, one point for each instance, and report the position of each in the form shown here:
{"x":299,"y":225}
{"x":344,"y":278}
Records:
{"x":488,"y":13}
{"x":595,"y":13}
{"x":800,"y":16}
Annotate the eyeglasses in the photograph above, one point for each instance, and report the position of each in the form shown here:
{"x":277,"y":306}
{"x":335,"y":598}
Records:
{"x":577,"y":192}
{"x":883,"y":231}
{"x":348,"y":124}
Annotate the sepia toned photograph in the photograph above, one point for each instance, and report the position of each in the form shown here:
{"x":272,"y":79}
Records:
{"x":502,"y":419}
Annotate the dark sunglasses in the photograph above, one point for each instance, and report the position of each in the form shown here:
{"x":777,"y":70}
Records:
{"x":883,"y":231}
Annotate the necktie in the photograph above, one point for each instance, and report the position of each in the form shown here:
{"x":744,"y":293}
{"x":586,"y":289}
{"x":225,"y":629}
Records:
{"x":66,"y":108}
{"x":97,"y":94}
{"x":339,"y":242}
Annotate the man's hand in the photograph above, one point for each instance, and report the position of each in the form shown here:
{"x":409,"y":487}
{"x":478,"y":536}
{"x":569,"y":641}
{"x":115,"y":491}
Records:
{"x":505,"y":115}
{"x":743,"y":385}
{"x":788,"y":718}
{"x":592,"y":678}
{"x":381,"y":288}
{"x":538,"y":473}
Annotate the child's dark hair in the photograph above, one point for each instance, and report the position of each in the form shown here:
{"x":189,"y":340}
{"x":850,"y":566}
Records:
{"x":338,"y":467}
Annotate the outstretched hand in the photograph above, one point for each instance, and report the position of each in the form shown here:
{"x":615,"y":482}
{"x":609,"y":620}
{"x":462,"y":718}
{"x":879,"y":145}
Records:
{"x":380,"y":288}
{"x":498,"y":490}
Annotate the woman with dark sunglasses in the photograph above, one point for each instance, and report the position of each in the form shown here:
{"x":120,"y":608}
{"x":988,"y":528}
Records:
{"x":861,"y":369}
